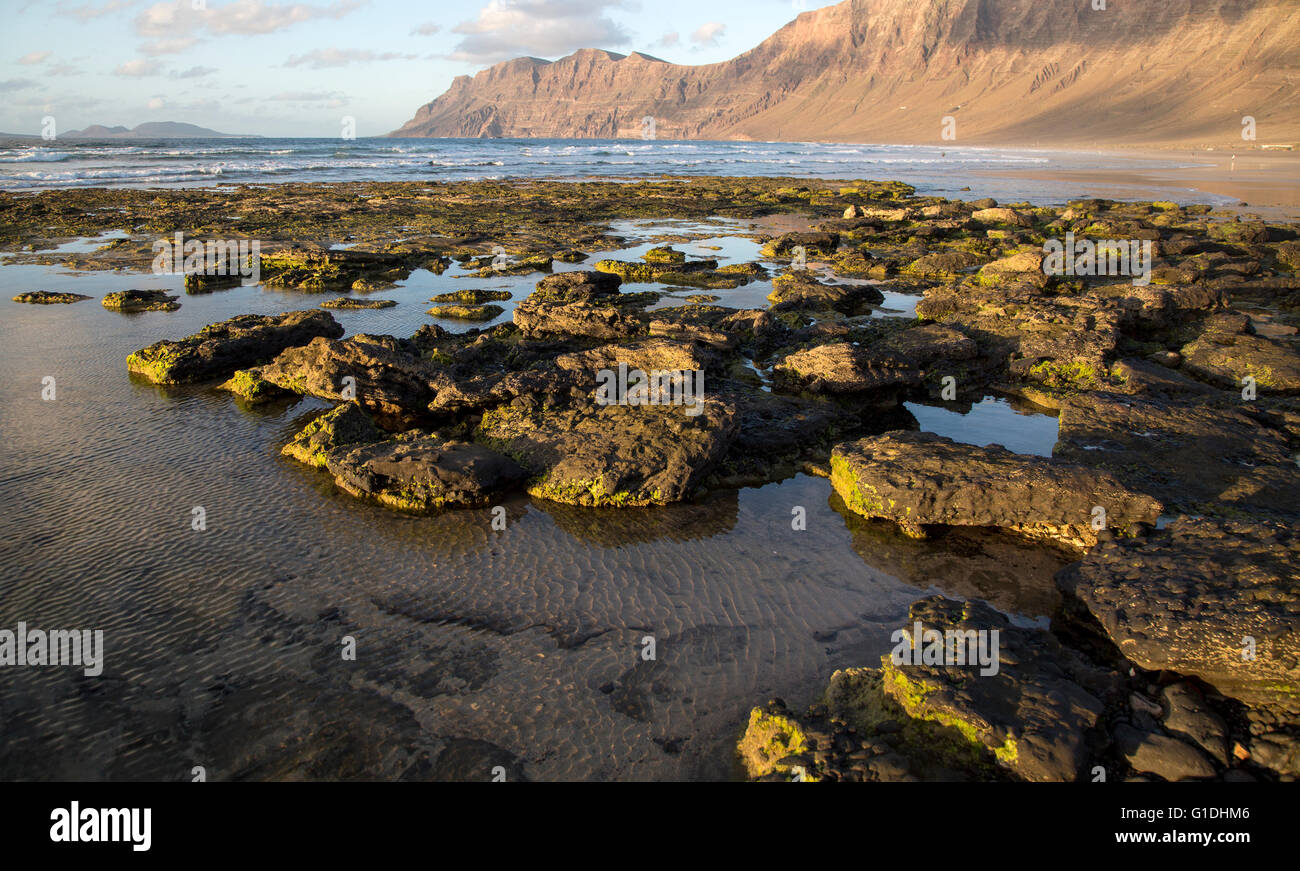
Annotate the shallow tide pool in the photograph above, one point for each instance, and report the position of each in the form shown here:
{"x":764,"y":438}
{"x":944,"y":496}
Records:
{"x":474,"y":647}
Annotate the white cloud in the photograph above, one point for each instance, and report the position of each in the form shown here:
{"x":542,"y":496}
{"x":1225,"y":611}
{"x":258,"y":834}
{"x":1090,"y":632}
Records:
{"x":137,"y":68}
{"x":192,"y":73}
{"x":156,"y":103}
{"x":33,"y":58}
{"x":324,"y":58}
{"x":90,"y":10}
{"x":247,"y":17}
{"x":320,"y":99}
{"x":428,"y":28}
{"x":669,"y":39}
{"x":546,"y":28}
{"x":166,"y":46}
{"x":708,"y":34}
{"x":17,"y":85}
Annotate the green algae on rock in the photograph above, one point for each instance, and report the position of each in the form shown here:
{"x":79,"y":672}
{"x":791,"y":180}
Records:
{"x":471,"y":296}
{"x":140,"y":301}
{"x":611,"y":456}
{"x":418,"y":472}
{"x":344,"y":425}
{"x":251,"y":387}
{"x":917,"y":479}
{"x":348,"y":302}
{"x":219,"y":349}
{"x":49,"y":297}
{"x":466,"y":312}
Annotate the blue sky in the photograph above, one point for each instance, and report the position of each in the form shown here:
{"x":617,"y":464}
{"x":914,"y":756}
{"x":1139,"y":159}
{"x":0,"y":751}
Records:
{"x":286,"y":68}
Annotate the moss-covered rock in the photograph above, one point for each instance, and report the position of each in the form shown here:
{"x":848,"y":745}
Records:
{"x":219,"y":349}
{"x":345,"y":425}
{"x":140,"y":301}
{"x":466,"y":312}
{"x":418,"y":472}
{"x":48,"y":297}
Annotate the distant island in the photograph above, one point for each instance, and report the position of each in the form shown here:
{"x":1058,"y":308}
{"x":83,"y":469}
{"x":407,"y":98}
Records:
{"x":153,"y":130}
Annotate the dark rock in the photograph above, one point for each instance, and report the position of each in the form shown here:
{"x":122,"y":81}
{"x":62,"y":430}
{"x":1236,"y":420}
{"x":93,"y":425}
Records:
{"x":1162,"y":756}
{"x":140,"y":301}
{"x":47,"y":297}
{"x":1188,"y":716}
{"x":345,"y":425}
{"x":219,"y":349}
{"x":420,"y":472}
{"x":1187,"y":599}
{"x":915,"y":478}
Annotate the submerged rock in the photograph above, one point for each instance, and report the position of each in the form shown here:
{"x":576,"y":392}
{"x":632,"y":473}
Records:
{"x":916,"y":478}
{"x":1217,"y":599}
{"x":219,"y":349}
{"x":419,"y":472}
{"x":141,"y":301}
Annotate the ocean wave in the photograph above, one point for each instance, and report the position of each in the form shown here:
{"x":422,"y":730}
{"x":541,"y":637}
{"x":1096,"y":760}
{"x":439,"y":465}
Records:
{"x":38,"y":156}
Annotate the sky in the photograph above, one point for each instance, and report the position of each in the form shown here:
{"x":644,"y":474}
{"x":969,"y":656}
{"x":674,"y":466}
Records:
{"x":284,"y":68}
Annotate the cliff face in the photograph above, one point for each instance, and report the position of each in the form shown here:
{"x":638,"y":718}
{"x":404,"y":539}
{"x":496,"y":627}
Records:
{"x":1015,"y":72}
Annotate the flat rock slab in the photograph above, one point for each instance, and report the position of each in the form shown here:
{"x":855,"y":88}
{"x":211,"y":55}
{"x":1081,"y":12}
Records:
{"x":1197,"y":454}
{"x":1184,"y":599}
{"x":1226,"y":358}
{"x":1031,"y":716}
{"x":48,"y":297}
{"x":347,"y":302}
{"x":915,"y":479}
{"x":421,"y":472}
{"x":219,"y":349}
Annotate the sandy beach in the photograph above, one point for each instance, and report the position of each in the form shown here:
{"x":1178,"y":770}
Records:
{"x":1266,"y":182}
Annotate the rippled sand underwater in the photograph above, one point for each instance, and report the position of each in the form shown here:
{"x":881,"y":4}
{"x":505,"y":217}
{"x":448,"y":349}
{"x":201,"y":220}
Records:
{"x":475,"y":648}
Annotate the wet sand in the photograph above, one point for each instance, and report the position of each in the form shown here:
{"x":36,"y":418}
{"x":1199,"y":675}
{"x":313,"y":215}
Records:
{"x":1267,"y":181}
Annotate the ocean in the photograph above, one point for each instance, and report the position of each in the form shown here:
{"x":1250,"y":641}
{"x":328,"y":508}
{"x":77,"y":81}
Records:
{"x":941,"y":171}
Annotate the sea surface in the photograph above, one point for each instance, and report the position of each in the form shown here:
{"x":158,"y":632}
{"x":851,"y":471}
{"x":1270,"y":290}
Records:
{"x":954,"y":172}
{"x":477,"y":649}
